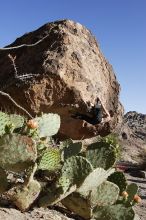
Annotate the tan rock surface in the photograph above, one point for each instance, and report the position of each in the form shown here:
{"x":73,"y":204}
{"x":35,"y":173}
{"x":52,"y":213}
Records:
{"x":69,"y":74}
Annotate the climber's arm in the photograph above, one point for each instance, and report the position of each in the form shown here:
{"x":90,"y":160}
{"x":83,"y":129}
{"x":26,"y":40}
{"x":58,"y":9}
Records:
{"x":108,"y":117}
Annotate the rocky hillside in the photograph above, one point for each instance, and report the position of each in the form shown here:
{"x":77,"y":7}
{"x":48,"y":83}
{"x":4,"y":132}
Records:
{"x":137,"y":123}
{"x":132,"y":136}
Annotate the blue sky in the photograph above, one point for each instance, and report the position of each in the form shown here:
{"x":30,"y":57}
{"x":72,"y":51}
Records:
{"x":119,"y":27}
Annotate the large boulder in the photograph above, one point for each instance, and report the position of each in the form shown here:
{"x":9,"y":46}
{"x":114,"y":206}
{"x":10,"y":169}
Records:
{"x":69,"y":73}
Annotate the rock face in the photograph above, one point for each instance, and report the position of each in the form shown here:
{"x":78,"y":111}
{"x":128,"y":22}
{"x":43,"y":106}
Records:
{"x":133,"y":137}
{"x":68,"y":74}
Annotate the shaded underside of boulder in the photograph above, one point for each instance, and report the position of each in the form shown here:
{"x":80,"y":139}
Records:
{"x":69,"y":74}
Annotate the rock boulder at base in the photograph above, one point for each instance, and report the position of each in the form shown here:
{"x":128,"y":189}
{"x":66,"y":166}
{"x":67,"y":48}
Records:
{"x":68,"y":73}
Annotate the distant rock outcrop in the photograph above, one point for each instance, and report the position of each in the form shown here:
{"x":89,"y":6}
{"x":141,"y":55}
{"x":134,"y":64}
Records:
{"x":132,"y":135}
{"x":68,"y":74}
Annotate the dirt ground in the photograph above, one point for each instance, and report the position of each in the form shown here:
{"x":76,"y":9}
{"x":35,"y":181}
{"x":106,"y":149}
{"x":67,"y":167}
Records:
{"x":35,"y":214}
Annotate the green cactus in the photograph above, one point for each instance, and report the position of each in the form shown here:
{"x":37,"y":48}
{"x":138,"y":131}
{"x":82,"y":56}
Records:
{"x":70,"y":149}
{"x":4,"y":120}
{"x":101,"y":154}
{"x":54,"y":195}
{"x":78,"y":204}
{"x":98,"y":176}
{"x":64,"y":183}
{"x":17,"y":152}
{"x":84,"y":182}
{"x":10,"y":122}
{"x":76,"y":169}
{"x":119,"y":179}
{"x":42,"y":146}
{"x":131,"y":189}
{"x":23,"y":196}
{"x":103,"y":195}
{"x":50,"y":160}
{"x":93,"y":191}
{"x":17,"y":120}
{"x":65,"y":143}
{"x":3,"y":181}
{"x":112,"y":139}
{"x":113,"y":212}
{"x":48,"y":124}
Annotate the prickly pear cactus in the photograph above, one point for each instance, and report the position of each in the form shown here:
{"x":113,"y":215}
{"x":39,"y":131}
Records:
{"x":64,"y":183}
{"x":10,"y":122}
{"x":113,"y":212}
{"x":17,"y":120}
{"x":70,"y":149}
{"x":93,"y":191}
{"x":113,"y":141}
{"x":76,"y":169}
{"x":132,"y":189}
{"x":101,"y":154}
{"x":119,"y":179}
{"x":105,"y":194}
{"x":4,"y":120}
{"x":48,"y":124}
{"x":55,"y":195}
{"x":17,"y":152}
{"x":23,"y":196}
{"x":78,"y":204}
{"x":50,"y":160}
{"x":98,"y":176}
{"x":79,"y":177}
{"x":65,"y":143}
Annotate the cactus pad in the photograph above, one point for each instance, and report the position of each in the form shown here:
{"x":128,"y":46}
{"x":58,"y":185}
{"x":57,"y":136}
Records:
{"x":54,"y":196}
{"x":105,"y":194}
{"x":98,"y":176}
{"x":65,"y":143}
{"x":76,"y":203}
{"x":4,"y":120}
{"x":131,"y":190}
{"x":101,"y":154}
{"x":76,"y":169}
{"x":16,"y":120}
{"x":114,"y":212}
{"x":119,"y":179}
{"x":48,"y":124}
{"x":71,"y":149}
{"x":17,"y":152}
{"x":23,"y":196}
{"x":50,"y":160}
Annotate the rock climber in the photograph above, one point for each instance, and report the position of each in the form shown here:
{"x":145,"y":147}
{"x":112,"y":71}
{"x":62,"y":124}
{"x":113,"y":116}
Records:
{"x":98,"y":114}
